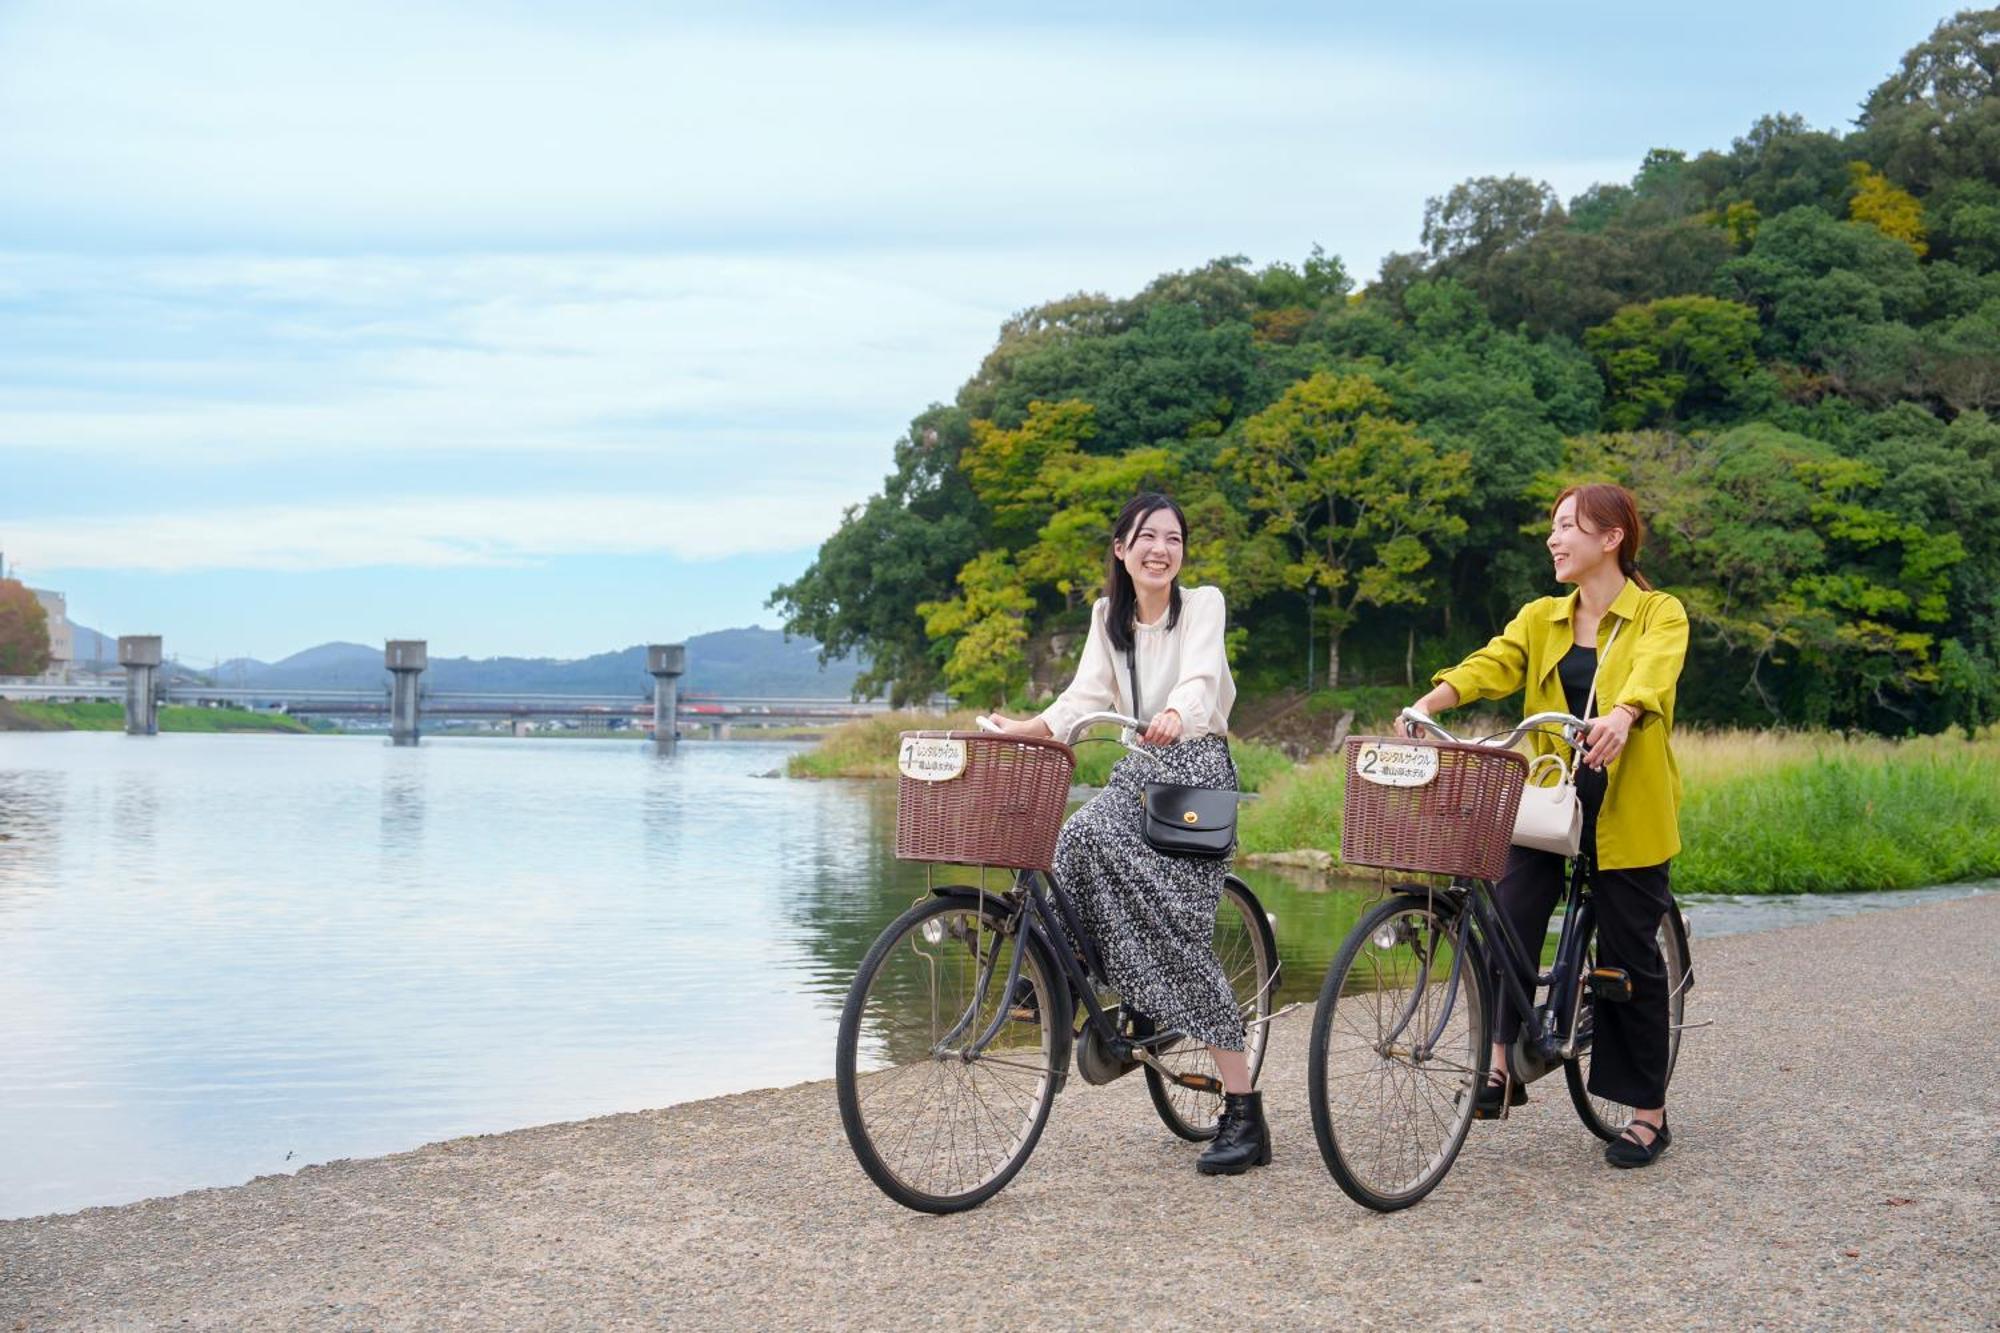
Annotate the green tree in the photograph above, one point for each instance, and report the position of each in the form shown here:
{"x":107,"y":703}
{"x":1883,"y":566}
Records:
{"x":1936,"y":118}
{"x":1478,"y":220}
{"x":982,"y":634}
{"x":1358,"y":494}
{"x":24,"y":631}
{"x":1780,"y":164}
{"x":1007,"y":467}
{"x":1674,"y":358}
{"x":1796,"y":564}
{"x":1964,"y":223}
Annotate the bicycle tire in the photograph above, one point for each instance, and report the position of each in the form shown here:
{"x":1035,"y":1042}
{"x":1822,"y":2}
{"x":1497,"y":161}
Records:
{"x":907,"y":1101}
{"x":1242,"y":931}
{"x":1600,"y":1115}
{"x":1357,"y":973}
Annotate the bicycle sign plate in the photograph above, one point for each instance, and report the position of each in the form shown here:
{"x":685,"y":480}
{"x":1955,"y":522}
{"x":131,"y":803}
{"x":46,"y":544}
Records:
{"x":930,"y":758}
{"x":1396,"y":765}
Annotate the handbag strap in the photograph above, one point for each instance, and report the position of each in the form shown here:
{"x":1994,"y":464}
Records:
{"x":1132,"y":668}
{"x":1590,"y":704}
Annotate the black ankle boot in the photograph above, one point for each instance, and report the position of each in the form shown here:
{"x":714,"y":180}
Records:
{"x":1242,"y":1140}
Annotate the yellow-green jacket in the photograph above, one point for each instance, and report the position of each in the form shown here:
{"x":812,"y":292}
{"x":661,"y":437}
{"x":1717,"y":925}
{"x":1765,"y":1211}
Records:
{"x":1639,"y":824}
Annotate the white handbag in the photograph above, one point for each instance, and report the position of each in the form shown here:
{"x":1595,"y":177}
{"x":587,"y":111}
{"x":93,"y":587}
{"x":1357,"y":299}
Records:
{"x":1551,"y":817}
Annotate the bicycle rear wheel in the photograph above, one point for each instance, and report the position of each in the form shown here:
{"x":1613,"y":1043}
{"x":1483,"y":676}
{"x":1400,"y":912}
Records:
{"x":1391,"y":1117}
{"x":1600,"y":1115}
{"x":937,"y":1119}
{"x":1248,"y":951}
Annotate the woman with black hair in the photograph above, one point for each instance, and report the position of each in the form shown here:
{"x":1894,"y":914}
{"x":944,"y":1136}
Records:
{"x":1153,"y":915}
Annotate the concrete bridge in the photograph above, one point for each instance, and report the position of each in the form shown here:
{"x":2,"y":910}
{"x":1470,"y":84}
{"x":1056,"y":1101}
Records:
{"x":405,"y":704}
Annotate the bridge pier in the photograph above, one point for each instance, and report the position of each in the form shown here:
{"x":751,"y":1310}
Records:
{"x":406,"y":660}
{"x":666,"y":663}
{"x":139,"y":654}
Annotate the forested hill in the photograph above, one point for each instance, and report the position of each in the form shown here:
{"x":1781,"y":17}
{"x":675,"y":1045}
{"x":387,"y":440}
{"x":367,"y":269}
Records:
{"x":1789,"y":347}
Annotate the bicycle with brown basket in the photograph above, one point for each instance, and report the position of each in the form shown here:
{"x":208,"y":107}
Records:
{"x":957,"y":1033}
{"x":1402,"y":1035}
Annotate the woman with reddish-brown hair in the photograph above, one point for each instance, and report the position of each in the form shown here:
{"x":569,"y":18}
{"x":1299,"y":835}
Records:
{"x":1616,"y":633}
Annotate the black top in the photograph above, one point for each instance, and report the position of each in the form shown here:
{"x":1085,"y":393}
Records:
{"x":1576,"y":669}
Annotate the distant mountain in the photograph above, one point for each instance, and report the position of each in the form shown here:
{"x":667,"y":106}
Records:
{"x":89,"y":648}
{"x":732,"y":662}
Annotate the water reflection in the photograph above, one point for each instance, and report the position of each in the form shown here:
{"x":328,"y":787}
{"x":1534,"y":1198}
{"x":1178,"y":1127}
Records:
{"x":402,"y":809}
{"x":229,"y":955}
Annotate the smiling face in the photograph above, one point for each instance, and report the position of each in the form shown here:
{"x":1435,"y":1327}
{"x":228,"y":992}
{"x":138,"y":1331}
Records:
{"x":1151,"y":551}
{"x":1575,"y":550}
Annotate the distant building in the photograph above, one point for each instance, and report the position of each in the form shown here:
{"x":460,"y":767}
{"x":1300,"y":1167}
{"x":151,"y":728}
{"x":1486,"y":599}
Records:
{"x":62,"y":640}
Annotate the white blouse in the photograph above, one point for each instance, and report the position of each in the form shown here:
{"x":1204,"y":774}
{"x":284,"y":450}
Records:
{"x":1183,"y":668}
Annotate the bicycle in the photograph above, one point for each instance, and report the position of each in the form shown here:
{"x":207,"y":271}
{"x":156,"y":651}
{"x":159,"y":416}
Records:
{"x":1402,"y":1034}
{"x":956,"y":1036}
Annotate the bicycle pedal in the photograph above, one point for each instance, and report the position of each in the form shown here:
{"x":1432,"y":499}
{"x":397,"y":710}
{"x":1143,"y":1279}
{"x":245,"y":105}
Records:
{"x":1200,"y":1083}
{"x":1612,"y":984}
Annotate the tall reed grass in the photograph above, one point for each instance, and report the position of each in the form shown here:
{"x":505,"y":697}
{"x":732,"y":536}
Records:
{"x":1765,"y":812}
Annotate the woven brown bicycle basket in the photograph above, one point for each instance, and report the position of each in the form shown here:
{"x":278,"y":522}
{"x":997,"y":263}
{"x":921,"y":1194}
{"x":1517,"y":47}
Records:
{"x":1453,"y":815}
{"x":974,"y":798}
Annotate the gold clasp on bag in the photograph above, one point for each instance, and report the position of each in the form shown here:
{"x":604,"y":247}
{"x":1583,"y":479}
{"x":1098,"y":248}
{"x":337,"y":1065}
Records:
{"x":1190,"y":818}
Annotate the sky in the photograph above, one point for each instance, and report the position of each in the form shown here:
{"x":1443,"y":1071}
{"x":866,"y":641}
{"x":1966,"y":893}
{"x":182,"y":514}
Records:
{"x":542,"y":330}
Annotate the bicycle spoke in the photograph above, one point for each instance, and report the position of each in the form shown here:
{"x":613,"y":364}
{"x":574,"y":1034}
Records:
{"x":945,"y":1127}
{"x":1392,"y":1122}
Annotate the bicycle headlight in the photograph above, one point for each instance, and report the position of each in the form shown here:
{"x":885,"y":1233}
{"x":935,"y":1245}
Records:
{"x":933,"y":930}
{"x":1385,"y":935}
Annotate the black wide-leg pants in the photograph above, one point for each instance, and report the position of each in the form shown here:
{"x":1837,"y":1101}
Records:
{"x":1629,"y":1043}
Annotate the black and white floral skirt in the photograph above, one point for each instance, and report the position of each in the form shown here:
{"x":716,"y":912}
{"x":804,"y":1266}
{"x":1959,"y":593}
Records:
{"x":1153,"y":915}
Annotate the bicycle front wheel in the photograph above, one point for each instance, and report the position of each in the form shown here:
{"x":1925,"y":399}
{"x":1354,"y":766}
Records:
{"x":1600,"y":1115}
{"x":1399,"y":1047}
{"x":1248,"y":951}
{"x":945,"y":1078}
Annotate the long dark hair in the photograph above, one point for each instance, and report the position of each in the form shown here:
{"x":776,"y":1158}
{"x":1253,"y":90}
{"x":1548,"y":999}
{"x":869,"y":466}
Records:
{"x":1118,"y":584}
{"x":1607,"y":506}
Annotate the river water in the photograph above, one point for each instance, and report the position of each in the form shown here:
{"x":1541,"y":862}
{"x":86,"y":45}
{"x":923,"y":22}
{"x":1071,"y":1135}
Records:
{"x":224,"y":956}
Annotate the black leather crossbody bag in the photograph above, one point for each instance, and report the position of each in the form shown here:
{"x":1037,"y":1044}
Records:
{"x":1183,"y":820}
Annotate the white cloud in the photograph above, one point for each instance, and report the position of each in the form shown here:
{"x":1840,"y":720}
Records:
{"x":242,"y":360}
{"x":411,"y":121}
{"x":467,"y":531}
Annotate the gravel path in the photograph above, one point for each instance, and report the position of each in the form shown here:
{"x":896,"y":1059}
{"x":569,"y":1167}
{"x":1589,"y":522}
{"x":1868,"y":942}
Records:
{"x":1836,"y":1164}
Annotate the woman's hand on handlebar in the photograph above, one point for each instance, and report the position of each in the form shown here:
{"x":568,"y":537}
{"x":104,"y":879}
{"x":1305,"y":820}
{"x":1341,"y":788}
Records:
{"x":1006,"y":726}
{"x":1606,"y":740}
{"x":1439,"y":700}
{"x":1164,"y":729}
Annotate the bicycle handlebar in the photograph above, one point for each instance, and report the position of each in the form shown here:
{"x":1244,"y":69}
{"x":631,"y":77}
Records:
{"x":987,"y":724}
{"x":1089,"y":720}
{"x":1574,"y":728}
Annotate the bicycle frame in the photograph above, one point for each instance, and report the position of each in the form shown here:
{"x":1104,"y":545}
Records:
{"x":1040,"y":905}
{"x":1518,"y":968}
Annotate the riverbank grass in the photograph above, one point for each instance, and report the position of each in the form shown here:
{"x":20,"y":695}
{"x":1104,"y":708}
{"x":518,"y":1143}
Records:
{"x":866,"y":748}
{"x":100,"y":715}
{"x":1764,"y":813}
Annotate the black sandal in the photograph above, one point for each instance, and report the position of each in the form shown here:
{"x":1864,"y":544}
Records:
{"x":1627,"y":1151}
{"x":1487,"y":1104}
